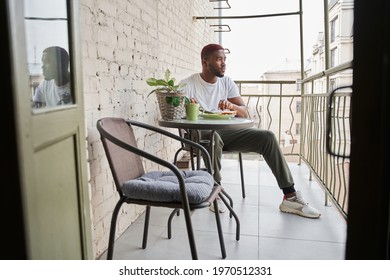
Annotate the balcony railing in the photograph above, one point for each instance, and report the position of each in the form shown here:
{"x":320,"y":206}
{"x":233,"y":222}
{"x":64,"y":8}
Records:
{"x":299,"y":118}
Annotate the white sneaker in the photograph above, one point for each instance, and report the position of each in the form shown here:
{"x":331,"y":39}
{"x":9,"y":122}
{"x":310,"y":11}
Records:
{"x":221,"y":206}
{"x":297,"y":205}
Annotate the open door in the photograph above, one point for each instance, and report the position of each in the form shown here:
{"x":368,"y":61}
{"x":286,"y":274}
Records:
{"x":50,"y":130}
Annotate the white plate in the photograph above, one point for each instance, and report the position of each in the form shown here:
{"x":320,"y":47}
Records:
{"x":217,"y":116}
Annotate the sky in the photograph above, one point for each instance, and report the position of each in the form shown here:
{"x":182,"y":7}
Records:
{"x":261,"y":44}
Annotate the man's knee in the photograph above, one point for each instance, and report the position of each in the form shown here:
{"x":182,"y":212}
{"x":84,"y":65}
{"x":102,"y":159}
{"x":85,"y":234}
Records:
{"x":267,"y":135}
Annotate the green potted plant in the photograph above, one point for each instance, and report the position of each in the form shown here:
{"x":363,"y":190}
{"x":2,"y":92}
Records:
{"x":170,"y":97}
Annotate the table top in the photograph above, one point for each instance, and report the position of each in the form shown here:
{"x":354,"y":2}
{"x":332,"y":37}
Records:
{"x":208,"y":124}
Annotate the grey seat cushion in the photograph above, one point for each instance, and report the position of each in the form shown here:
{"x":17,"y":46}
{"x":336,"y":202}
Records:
{"x":163,"y":186}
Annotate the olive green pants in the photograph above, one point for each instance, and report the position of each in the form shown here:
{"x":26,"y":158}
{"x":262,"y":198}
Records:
{"x":255,"y":140}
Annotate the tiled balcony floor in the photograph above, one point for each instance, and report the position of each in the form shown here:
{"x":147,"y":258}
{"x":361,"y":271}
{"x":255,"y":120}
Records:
{"x":266,"y":233}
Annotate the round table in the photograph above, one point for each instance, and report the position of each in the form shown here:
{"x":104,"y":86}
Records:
{"x":208,"y":124}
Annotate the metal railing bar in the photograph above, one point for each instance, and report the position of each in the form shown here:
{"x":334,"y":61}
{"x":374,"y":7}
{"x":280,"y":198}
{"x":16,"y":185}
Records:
{"x":265,"y":82}
{"x":247,"y":16}
{"x":338,"y":68}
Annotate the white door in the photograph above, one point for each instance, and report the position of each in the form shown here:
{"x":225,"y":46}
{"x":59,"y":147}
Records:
{"x":51,"y":130}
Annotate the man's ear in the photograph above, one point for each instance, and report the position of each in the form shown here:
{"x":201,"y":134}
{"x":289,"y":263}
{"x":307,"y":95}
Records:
{"x":204,"y":62}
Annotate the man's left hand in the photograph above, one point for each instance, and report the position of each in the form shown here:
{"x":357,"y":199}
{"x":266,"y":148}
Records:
{"x":225,"y":105}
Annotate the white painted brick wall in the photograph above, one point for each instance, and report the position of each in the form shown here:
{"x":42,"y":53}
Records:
{"x":124,"y":42}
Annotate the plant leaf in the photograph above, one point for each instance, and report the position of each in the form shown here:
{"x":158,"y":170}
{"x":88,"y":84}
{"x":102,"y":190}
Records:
{"x":161,"y":83}
{"x":167,"y":75}
{"x":175,"y":101}
{"x":151,"y":82}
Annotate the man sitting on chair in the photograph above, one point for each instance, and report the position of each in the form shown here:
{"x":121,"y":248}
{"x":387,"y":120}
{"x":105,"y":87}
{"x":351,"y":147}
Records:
{"x":215,"y":91}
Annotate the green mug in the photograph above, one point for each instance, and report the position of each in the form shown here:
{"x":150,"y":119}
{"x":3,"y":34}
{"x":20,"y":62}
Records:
{"x":192,"y":111}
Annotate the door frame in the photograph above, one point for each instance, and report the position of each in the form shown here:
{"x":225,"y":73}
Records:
{"x":26,"y":122}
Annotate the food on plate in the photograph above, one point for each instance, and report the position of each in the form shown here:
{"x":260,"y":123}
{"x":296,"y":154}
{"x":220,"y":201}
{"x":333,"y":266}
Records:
{"x":218,"y":112}
{"x":228,"y":112}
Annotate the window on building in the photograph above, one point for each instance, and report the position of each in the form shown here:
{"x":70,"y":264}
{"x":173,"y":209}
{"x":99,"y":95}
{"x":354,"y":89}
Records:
{"x":332,"y":84}
{"x":334,"y":31}
{"x":298,"y":106}
{"x":333,"y":57}
{"x":299,"y":84}
{"x":297,"y":128}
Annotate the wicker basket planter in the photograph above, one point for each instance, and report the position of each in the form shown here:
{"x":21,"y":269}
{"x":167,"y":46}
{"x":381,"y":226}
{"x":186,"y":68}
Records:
{"x":171,"y":105}
{"x":171,"y":99}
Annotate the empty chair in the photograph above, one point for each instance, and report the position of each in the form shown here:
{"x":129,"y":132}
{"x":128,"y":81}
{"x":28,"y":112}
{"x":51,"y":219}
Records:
{"x":173,"y":188}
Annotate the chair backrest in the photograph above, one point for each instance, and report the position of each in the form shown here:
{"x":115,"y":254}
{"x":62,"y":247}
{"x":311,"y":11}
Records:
{"x":124,"y":164}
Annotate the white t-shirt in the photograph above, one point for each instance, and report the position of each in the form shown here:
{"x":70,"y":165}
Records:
{"x":51,"y":94}
{"x":208,"y":95}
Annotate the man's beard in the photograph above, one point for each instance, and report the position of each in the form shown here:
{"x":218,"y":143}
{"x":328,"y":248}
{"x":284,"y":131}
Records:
{"x":217,"y":73}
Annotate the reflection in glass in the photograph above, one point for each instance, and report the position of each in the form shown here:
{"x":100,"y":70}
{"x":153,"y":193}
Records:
{"x":54,"y":90}
{"x":47,"y":45}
